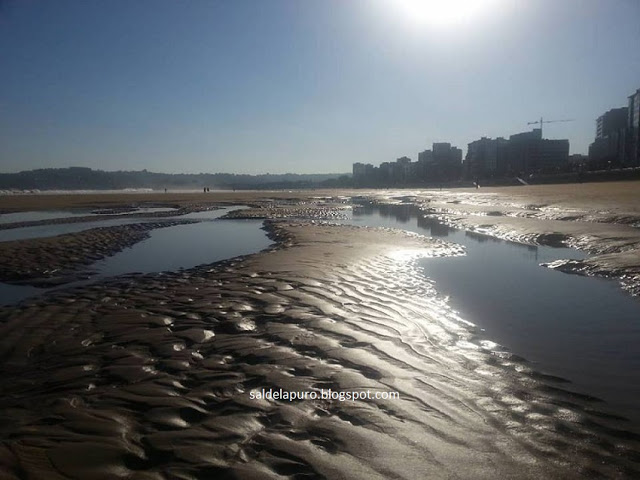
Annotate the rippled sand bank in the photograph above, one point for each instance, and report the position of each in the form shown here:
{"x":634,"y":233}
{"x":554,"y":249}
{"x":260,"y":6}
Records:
{"x":151,"y":377}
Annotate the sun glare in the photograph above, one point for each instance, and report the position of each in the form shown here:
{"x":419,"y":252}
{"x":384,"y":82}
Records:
{"x":441,"y":13}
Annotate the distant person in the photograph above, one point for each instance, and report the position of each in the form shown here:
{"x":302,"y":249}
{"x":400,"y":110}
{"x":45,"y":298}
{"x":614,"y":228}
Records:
{"x":204,"y":189}
{"x":165,"y":190}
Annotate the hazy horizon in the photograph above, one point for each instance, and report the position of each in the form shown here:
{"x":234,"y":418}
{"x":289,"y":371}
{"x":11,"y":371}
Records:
{"x":108,"y":170}
{"x":285,"y":86}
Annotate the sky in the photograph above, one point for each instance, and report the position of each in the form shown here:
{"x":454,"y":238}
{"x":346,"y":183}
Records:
{"x":302,"y":86}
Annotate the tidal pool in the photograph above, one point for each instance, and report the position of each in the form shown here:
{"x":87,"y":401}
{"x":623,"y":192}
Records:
{"x":583,"y":329}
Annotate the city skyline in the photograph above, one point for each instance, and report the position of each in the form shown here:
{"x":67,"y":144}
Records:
{"x":284,"y":86}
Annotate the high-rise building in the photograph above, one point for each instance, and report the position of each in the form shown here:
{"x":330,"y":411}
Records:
{"x":441,"y":149}
{"x":429,"y":167}
{"x":553,"y":155}
{"x":612,"y":121}
{"x":446,"y":162}
{"x":632,"y":142}
{"x":456,"y":155}
{"x":402,"y":170}
{"x":524,"y":153}
{"x":520,"y":153}
{"x":528,"y":152}
{"x":617,"y":141}
{"x":359,"y":170}
{"x":363,"y":174}
{"x":610,"y":144}
{"x":483,"y":156}
{"x":609,"y":150}
{"x":425,"y":156}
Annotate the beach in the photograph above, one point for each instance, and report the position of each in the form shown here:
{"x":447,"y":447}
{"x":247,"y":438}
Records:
{"x":162,"y":375}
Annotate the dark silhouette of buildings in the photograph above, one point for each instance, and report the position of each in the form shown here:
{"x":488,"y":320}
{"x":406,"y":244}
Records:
{"x":484,"y":156}
{"x":612,"y":121}
{"x":609,"y":145}
{"x":529,"y":153}
{"x":524,"y":153}
{"x":446,"y":163}
{"x":443,"y":163}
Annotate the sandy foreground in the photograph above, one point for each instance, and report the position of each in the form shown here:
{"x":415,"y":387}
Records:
{"x":159,"y":376}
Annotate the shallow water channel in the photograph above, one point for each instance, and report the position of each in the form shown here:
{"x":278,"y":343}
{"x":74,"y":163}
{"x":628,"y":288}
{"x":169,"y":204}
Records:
{"x":583,"y":329}
{"x":166,"y":249}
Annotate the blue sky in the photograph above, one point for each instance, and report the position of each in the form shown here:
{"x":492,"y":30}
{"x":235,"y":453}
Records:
{"x":257,"y":86}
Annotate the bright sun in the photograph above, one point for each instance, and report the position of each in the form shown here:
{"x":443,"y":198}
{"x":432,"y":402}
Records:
{"x":441,"y":13}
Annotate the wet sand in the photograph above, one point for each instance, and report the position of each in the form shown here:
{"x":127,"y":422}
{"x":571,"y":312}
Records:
{"x":149,"y":377}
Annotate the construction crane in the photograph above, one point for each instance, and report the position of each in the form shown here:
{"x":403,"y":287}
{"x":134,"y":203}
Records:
{"x":541,"y":121}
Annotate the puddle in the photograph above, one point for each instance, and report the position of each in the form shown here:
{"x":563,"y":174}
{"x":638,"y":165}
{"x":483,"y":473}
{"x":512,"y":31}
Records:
{"x":580,"y":328}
